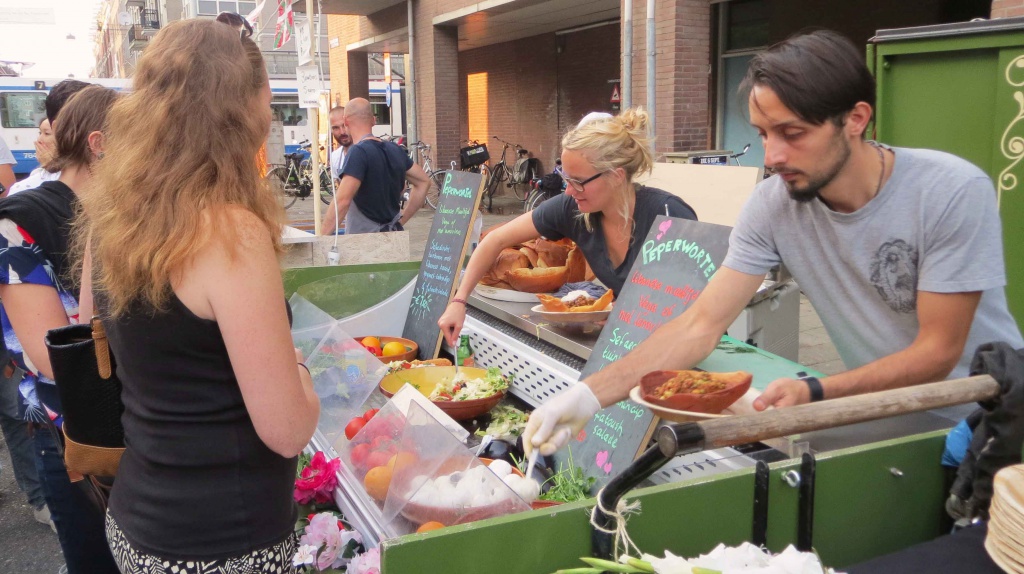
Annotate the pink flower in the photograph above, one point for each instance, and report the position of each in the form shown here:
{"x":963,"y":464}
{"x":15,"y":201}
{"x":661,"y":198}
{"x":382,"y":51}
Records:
{"x":318,"y":480}
{"x":366,"y":563}
{"x":324,"y":534}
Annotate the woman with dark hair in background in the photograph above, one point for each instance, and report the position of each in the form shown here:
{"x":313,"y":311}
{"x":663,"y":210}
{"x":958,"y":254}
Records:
{"x":217,"y":401}
{"x":37,"y":296}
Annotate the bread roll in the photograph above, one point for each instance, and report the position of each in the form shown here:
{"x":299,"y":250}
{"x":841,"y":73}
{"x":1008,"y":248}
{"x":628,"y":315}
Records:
{"x":553,"y":253}
{"x":537,"y":280}
{"x":576,"y":265}
{"x":508,"y":260}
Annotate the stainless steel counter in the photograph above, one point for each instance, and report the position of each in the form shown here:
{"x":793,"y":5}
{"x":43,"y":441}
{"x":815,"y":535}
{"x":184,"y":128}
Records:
{"x":577,"y":340}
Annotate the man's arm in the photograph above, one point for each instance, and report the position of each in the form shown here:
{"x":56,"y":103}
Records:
{"x":682,"y":342}
{"x":945,"y":322}
{"x":336,"y":211}
{"x":418,"y":180}
{"x":678,"y":344}
{"x":7,"y":178}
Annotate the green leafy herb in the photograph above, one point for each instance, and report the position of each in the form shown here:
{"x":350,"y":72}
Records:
{"x":506,"y":422}
{"x":569,"y":484}
{"x":304,"y":459}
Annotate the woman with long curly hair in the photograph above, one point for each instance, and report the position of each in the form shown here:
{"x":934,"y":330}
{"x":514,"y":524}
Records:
{"x":181,"y":238}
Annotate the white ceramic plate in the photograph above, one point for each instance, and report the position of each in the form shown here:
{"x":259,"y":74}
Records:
{"x":505,"y":294}
{"x":743,"y":406}
{"x":569,"y":317}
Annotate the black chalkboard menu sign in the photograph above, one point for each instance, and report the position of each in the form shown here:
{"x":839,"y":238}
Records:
{"x":442,"y":260}
{"x":676,"y":261}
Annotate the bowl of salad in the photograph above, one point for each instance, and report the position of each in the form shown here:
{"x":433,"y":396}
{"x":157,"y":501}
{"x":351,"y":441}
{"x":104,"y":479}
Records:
{"x":463,"y":396}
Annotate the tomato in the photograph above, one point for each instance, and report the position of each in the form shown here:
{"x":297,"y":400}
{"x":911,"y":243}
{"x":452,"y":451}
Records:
{"x":353,"y":427}
{"x":377,"y":458}
{"x":380,"y":442}
{"x":368,"y":415}
{"x":376,"y":351}
{"x":359,"y":454}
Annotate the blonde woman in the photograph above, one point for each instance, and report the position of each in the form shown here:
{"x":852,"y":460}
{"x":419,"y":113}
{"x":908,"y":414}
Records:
{"x":602,"y":209}
{"x":183,"y":238}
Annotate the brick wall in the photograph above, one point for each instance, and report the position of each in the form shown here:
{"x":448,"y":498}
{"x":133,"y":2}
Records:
{"x":536,"y":89}
{"x":1007,"y":8}
{"x":682,"y":66}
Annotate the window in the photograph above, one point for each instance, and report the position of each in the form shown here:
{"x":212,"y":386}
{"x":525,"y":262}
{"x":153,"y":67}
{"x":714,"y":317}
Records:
{"x":747,"y":25}
{"x":381,"y":111}
{"x":290,"y":114}
{"x":23,"y":110}
{"x":214,"y":7}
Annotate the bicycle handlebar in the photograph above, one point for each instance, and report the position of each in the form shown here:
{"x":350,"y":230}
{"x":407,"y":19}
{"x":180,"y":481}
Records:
{"x":508,"y":144}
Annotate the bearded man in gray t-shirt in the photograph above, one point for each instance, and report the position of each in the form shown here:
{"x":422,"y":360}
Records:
{"x":899,"y":250}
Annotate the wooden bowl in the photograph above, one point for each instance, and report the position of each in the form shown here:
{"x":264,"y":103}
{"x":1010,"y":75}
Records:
{"x":710,"y":403}
{"x":426,"y":378}
{"x":411,"y":348}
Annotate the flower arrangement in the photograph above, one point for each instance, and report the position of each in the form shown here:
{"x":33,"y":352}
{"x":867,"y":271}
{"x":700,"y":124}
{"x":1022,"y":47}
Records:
{"x":327,"y":545}
{"x":317,"y":480}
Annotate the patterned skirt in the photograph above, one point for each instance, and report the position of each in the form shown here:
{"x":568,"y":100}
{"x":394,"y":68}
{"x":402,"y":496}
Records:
{"x":276,"y":559}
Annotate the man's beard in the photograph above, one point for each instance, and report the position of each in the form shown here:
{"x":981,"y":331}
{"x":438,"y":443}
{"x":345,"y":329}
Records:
{"x":812,"y":189}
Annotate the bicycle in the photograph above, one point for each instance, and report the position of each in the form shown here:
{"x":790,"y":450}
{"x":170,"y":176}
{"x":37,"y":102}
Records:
{"x":736,"y":156}
{"x":501,"y":172}
{"x":544,"y":188}
{"x":294,"y":180}
{"x":436,"y":182}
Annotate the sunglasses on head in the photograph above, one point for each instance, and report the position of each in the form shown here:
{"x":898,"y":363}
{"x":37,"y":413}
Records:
{"x":237,"y":21}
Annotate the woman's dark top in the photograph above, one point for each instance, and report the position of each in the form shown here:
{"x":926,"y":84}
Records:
{"x":559,"y":217}
{"x":196,"y":481}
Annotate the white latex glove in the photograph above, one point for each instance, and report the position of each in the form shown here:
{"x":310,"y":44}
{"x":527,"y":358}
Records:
{"x":556,"y":421}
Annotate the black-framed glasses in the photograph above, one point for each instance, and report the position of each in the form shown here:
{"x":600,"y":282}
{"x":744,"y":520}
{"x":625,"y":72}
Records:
{"x":577,"y":184}
{"x":238,"y":21}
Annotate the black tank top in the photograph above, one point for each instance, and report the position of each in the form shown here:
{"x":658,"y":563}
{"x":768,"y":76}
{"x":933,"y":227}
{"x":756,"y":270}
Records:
{"x":196,"y":481}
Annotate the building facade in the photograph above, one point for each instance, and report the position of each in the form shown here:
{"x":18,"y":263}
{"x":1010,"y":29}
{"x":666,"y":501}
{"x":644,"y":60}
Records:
{"x":124,"y":28}
{"x":528,"y":70}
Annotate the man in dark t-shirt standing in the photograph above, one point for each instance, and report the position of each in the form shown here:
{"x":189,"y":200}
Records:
{"x":372,"y":180}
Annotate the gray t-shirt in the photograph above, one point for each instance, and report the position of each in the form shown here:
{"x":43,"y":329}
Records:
{"x":933,"y":226}
{"x":5,"y":153}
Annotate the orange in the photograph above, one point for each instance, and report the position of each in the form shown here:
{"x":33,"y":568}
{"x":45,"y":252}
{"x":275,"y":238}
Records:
{"x":407,"y":459}
{"x":428,"y":526}
{"x":377,"y":481}
{"x":370,"y":342}
{"x":393,"y":348}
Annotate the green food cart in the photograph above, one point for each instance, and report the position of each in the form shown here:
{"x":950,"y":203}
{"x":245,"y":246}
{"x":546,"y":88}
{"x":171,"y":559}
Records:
{"x":878,"y":486}
{"x":960,"y":88}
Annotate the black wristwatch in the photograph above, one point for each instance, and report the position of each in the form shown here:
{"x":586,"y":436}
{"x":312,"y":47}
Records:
{"x":814,"y":385}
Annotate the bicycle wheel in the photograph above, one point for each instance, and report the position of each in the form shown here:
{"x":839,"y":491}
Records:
{"x":277,"y":180}
{"x":434,"y":187}
{"x":494,"y":179}
{"x":521,"y":189}
{"x":326,"y":188}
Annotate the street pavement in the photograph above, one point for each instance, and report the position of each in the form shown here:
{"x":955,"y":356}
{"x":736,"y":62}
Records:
{"x":27,"y":547}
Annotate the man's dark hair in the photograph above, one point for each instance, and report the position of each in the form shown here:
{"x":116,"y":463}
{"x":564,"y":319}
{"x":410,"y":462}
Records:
{"x":60,"y":94}
{"x":819,"y":76}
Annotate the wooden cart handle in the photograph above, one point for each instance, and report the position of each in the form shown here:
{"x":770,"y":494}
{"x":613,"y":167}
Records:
{"x":774,"y":423}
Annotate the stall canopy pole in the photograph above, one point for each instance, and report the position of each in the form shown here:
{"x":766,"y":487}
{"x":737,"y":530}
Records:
{"x":314,"y":126}
{"x":651,"y":102}
{"x":627,"y":54}
{"x":410,"y":86}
